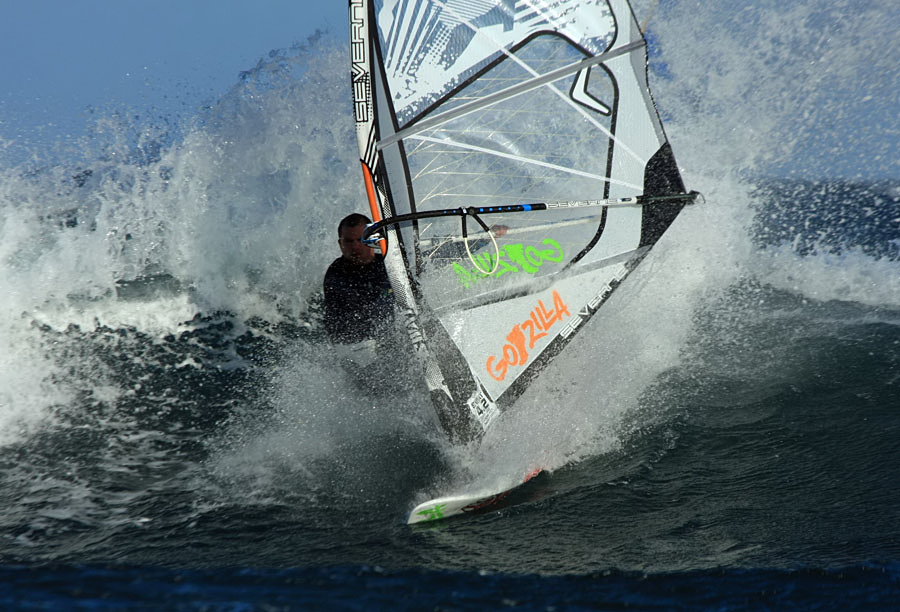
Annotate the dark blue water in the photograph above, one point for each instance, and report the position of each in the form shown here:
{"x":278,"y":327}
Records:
{"x":869,"y":586}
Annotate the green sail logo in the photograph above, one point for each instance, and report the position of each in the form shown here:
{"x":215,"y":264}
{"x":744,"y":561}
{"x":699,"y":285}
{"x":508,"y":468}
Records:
{"x":514,"y":258}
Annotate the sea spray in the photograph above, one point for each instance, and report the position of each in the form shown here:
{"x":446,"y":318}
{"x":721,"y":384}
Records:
{"x":236,"y":217}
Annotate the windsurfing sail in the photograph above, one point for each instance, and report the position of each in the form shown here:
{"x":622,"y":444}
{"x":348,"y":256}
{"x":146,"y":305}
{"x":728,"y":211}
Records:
{"x":531,"y":119}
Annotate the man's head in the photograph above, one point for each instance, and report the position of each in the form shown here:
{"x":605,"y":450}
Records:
{"x":350,"y":230}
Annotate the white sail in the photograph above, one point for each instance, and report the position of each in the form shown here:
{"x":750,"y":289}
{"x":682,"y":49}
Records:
{"x":483,"y":104}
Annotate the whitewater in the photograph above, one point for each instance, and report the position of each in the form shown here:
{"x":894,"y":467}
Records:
{"x":169,"y":410}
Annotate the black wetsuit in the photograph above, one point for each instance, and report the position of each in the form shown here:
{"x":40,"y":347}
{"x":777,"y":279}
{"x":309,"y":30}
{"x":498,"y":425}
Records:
{"x":358,"y":300}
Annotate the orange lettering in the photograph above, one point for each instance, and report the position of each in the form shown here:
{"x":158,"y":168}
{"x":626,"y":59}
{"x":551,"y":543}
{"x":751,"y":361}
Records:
{"x":561,"y":308}
{"x":532,"y":337}
{"x":514,"y":352}
{"x":500,"y":372}
{"x":516,"y":339}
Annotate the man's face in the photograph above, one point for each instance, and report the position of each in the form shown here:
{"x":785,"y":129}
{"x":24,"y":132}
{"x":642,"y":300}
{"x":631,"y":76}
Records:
{"x":352,"y":248}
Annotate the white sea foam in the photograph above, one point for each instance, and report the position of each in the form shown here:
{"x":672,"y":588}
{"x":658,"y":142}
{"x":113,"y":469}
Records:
{"x":851,"y":276}
{"x":238,"y":215}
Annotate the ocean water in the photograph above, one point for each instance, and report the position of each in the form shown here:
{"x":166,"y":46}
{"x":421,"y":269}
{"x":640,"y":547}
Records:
{"x":174,"y":435}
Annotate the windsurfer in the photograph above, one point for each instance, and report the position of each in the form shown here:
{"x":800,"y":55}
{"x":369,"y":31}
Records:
{"x":358,"y":297}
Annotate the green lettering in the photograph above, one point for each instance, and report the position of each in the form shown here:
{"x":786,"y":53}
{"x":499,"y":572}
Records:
{"x":463,"y":275}
{"x":516,"y":252}
{"x":548,"y":255}
{"x":512,"y":258}
{"x":485,"y":262}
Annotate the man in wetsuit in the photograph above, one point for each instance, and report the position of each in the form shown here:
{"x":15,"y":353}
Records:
{"x":358,"y":298}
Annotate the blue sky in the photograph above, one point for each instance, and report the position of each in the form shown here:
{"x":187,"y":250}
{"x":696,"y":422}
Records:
{"x":61,"y":57}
